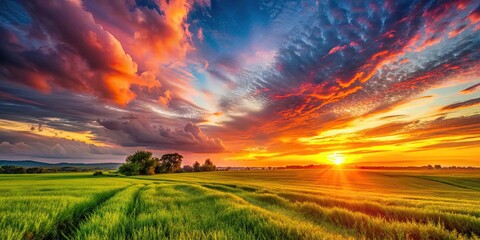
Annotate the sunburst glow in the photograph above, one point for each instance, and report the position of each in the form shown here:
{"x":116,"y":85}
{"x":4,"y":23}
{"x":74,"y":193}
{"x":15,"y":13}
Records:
{"x":337,"y":158}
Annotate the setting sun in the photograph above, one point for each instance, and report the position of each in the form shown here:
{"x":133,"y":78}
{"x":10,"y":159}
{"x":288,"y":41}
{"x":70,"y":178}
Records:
{"x":337,"y":158}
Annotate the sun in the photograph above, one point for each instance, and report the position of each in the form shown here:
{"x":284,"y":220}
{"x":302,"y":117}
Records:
{"x":336,"y":158}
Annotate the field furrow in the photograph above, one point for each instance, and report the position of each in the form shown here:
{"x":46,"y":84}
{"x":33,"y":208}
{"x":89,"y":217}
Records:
{"x":68,"y":221}
{"x":389,"y":207}
{"x":111,"y":219}
{"x":465,"y":224}
{"x":192,"y":212}
{"x":364,"y":224}
{"x":221,"y":205}
{"x":33,"y":209}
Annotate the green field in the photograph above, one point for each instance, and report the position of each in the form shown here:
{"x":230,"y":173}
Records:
{"x":280,"y":204}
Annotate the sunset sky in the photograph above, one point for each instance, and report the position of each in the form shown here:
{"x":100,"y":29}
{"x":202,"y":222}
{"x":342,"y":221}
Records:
{"x":245,"y":83}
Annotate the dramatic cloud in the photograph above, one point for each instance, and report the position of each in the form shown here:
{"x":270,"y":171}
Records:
{"x":27,"y":145}
{"x":49,"y":46}
{"x":351,"y":63}
{"x":77,"y":55}
{"x":269,"y":82}
{"x":139,"y":132}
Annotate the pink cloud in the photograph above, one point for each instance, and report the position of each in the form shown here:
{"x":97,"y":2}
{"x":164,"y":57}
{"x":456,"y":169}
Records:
{"x":200,"y":34}
{"x":337,"y":49}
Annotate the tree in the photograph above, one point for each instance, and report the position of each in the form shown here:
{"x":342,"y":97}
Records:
{"x":35,"y":170}
{"x":148,"y":167}
{"x":438,"y":166}
{"x":129,"y":169}
{"x":141,"y":160}
{"x":143,"y":163}
{"x":13,"y":170}
{"x":139,"y":156}
{"x":169,"y":163}
{"x":196,"y":167}
{"x":208,"y":165}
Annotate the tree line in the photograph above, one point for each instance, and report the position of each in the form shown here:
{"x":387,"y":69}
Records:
{"x":144,"y":163}
{"x":8,"y":169}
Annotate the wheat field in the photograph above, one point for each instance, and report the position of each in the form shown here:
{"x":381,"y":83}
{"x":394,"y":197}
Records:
{"x":276,"y":204}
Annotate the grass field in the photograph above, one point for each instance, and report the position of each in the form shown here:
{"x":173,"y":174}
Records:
{"x":280,"y":204}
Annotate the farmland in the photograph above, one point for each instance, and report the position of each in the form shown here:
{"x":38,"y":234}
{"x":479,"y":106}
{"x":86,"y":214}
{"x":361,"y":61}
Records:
{"x":278,"y":204}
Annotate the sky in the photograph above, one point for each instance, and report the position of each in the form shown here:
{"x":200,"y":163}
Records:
{"x":245,"y":83}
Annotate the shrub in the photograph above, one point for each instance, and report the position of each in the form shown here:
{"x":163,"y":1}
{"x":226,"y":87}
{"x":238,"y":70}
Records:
{"x":187,"y":168}
{"x":97,"y":173}
{"x":129,"y":169}
{"x":36,"y":170}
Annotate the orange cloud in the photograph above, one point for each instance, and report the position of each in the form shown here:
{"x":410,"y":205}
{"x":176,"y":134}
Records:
{"x":166,"y":35}
{"x":464,"y":104}
{"x":337,"y":49}
{"x":165,"y":99}
{"x":87,"y":58}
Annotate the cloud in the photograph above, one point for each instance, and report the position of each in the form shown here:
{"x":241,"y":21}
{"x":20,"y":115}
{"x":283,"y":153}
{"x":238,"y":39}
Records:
{"x":104,"y":48}
{"x":345,"y":64}
{"x":200,"y":34}
{"x":157,"y":36}
{"x":140,"y":132}
{"x":154,"y":28}
{"x":29,"y":145}
{"x":430,"y":131}
{"x":393,"y":116}
{"x":278,"y":71}
{"x":336,"y":49}
{"x":468,"y":103}
{"x":165,"y":99}
{"x":77,"y":55}
{"x":471,"y":88}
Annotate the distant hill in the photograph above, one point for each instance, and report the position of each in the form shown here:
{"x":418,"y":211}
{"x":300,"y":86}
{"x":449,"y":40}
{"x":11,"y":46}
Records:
{"x":30,"y":163}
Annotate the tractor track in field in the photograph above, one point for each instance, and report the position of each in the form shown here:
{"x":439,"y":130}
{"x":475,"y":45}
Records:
{"x":64,"y":228}
{"x":133,"y":211}
{"x":236,"y":191}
